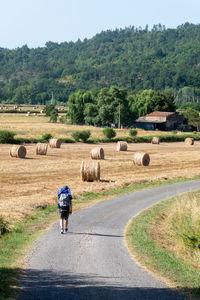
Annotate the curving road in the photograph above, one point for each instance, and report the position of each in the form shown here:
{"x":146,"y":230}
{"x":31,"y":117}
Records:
{"x":91,"y":260}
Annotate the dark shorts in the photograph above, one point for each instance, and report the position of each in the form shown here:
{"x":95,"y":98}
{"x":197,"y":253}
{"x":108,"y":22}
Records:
{"x":64,"y":214}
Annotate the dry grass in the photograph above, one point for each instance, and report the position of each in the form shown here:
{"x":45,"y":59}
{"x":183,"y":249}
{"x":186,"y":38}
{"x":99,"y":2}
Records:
{"x":32,"y":182}
{"x":36,"y":126}
{"x":178,"y":230}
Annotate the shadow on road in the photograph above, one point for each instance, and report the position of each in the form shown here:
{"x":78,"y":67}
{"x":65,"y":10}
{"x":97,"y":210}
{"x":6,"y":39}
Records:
{"x":93,"y":233}
{"x":51,"y":285}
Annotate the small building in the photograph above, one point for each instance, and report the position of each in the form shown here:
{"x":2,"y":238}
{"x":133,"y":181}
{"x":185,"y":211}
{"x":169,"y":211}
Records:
{"x":160,"y":120}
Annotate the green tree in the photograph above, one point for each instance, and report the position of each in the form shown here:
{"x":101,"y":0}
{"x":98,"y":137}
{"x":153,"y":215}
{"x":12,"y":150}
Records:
{"x":113,"y":106}
{"x":146,"y":101}
{"x":186,"y":105}
{"x":53,"y":116}
{"x":192,"y":117}
{"x":133,"y":58}
{"x":48,"y":109}
{"x":91,"y":114}
{"x":76,"y":103}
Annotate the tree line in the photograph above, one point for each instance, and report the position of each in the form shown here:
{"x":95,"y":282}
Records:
{"x":132,"y":58}
{"x":115,"y":106}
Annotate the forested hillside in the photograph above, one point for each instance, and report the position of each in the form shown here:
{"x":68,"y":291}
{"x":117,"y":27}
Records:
{"x":131,"y":58}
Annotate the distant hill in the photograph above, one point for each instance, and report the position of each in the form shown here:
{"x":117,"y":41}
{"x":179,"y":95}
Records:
{"x":133,"y":58}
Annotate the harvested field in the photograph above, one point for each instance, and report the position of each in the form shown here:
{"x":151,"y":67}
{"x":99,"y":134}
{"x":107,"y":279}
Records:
{"x":36,"y":126}
{"x":34,"y":181}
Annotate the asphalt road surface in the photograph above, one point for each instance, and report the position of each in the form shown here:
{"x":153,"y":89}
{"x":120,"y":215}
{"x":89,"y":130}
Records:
{"x":91,"y":261}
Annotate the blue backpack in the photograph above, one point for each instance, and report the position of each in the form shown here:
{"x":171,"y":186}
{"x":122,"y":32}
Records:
{"x":64,"y":198}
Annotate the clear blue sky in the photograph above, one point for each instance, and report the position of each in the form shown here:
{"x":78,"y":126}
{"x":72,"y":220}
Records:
{"x":34,"y":22}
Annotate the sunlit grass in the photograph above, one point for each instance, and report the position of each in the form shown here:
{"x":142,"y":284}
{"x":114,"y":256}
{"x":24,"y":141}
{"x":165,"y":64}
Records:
{"x":181,"y":225}
{"x":166,"y":239}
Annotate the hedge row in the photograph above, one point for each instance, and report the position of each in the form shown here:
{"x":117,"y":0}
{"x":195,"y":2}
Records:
{"x":147,"y":139}
{"x":35,"y":141}
{"x":8,"y":137}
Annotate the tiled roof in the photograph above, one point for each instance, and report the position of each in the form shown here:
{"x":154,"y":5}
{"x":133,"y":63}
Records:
{"x":160,"y":113}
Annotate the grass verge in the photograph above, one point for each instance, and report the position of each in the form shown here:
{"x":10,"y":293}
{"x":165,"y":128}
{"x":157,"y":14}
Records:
{"x":15,"y":244}
{"x":158,"y":259}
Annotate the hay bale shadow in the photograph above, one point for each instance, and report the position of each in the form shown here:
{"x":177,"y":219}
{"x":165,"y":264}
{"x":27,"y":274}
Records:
{"x":107,"y":181}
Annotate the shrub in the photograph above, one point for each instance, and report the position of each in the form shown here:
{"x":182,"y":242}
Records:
{"x":67,"y":140}
{"x":76,"y":135}
{"x":46,"y":137}
{"x":53,"y":116}
{"x":81,"y":135}
{"x":48,"y":109}
{"x":62,"y":120}
{"x":3,"y":226}
{"x":109,"y":133}
{"x":133,"y":132}
{"x":7,"y":137}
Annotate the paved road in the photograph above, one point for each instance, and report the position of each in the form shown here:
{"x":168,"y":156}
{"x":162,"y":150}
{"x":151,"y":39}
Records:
{"x":91,"y":260}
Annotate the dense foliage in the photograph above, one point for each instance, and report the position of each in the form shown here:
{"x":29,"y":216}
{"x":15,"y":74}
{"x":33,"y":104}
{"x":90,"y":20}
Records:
{"x":7,"y":137}
{"x":133,"y":132}
{"x":81,"y":135}
{"x":132,"y":58}
{"x":109,"y":133}
{"x":51,"y":111}
{"x":192,"y":117}
{"x":46,"y":137}
{"x":115,"y":107}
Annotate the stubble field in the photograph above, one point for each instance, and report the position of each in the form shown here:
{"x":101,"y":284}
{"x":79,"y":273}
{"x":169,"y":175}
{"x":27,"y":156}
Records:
{"x":26,"y":184}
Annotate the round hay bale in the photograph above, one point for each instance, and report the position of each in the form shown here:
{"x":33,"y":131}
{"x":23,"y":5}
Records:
{"x":155,"y":140}
{"x":141,"y":159}
{"x":189,"y":141}
{"x":90,"y":172}
{"x":97,"y":153}
{"x":18,"y":151}
{"x":122,"y":146}
{"x":54,"y":143}
{"x":41,"y":148}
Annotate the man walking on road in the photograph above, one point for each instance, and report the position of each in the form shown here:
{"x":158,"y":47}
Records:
{"x":64,"y":206}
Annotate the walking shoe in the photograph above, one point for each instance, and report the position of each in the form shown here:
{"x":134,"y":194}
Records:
{"x":66,"y":229}
{"x":62,"y":231}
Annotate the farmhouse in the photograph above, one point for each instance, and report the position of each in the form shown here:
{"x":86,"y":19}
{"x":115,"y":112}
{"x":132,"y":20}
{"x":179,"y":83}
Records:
{"x":160,"y":120}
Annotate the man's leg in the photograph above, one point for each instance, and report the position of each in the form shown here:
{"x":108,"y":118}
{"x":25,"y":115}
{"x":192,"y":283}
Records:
{"x":62,"y":222}
{"x":66,"y":224}
{"x":66,"y":220}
